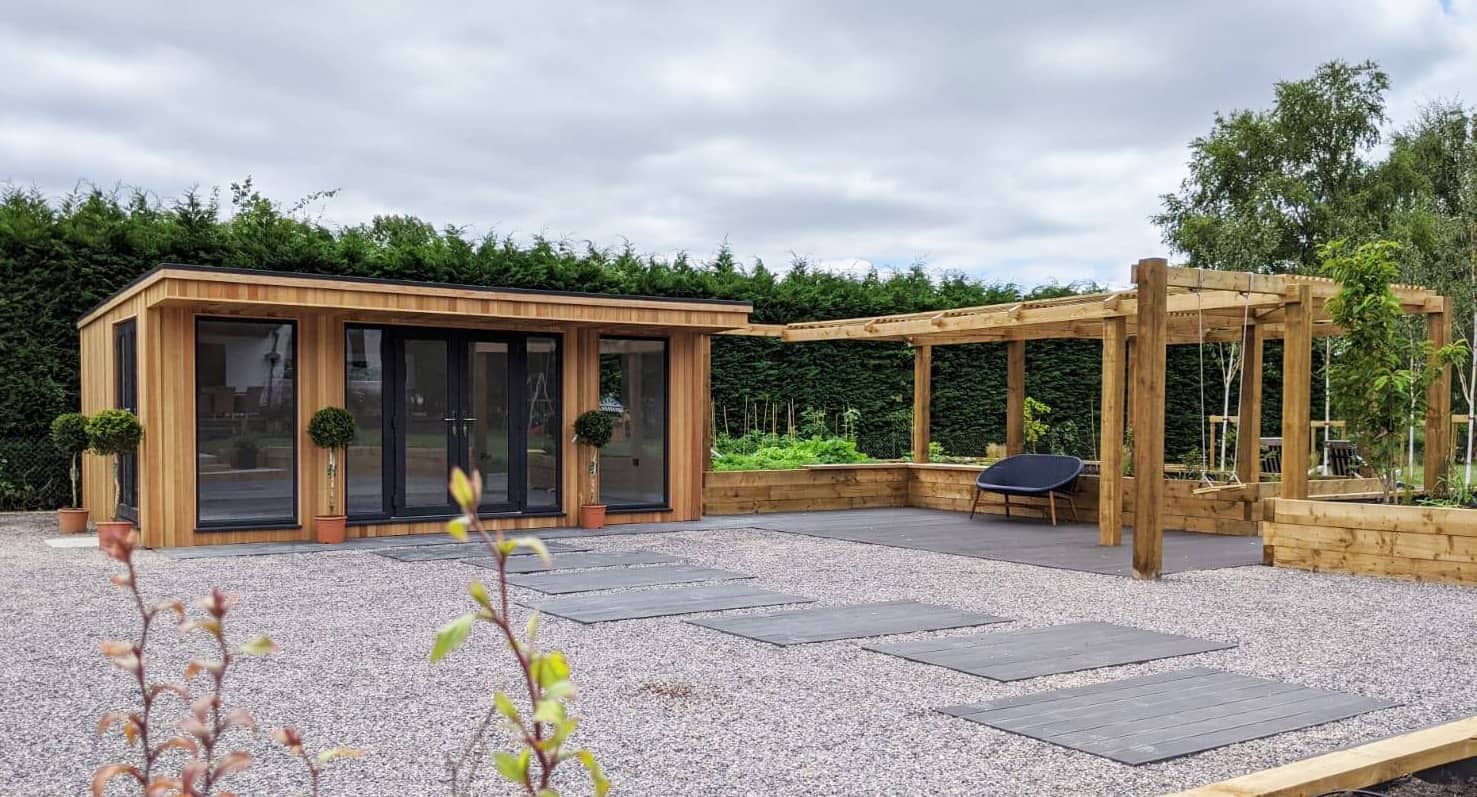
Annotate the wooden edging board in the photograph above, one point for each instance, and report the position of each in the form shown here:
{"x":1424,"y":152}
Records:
{"x":1356,"y":767}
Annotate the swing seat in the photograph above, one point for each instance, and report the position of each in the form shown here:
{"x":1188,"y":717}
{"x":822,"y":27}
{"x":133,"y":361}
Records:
{"x":1033,"y":476}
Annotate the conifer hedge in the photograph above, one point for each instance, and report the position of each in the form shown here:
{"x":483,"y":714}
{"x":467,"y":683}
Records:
{"x":60,"y":256}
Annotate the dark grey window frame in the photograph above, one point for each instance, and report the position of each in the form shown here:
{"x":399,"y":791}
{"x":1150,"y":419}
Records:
{"x":264,"y":522}
{"x":665,"y":505}
{"x":125,"y":397}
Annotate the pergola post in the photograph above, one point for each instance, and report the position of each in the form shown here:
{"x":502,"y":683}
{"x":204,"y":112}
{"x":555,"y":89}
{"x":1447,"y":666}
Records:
{"x":922,"y":401}
{"x":1438,"y":406}
{"x":1015,"y":397}
{"x":1249,"y":428}
{"x":1110,"y":454}
{"x":1297,"y":375}
{"x":1152,"y":278}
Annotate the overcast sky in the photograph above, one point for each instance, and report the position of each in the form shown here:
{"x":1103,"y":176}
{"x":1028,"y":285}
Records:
{"x":1025,"y":142}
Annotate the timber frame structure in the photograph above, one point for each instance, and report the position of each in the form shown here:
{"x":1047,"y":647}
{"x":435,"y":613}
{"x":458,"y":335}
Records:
{"x":1167,"y":306}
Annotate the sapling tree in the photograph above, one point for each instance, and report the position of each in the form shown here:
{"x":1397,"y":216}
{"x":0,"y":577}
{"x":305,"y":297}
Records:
{"x":594,"y":428}
{"x":1034,"y":421}
{"x":201,"y":734}
{"x":332,"y":429}
{"x":541,"y":735}
{"x":113,"y":433}
{"x":1379,"y":372}
{"x":69,"y":435}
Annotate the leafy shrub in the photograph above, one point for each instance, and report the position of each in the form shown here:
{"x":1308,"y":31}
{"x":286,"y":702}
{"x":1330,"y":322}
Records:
{"x":783,"y":452}
{"x":594,"y":428}
{"x":69,"y":435}
{"x":113,"y":432}
{"x":541,"y":735}
{"x":202,"y":733}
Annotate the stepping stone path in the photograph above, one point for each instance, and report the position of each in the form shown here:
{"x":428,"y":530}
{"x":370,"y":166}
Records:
{"x":662,"y":603}
{"x":1017,"y":655}
{"x":463,"y":550}
{"x":578,"y":561}
{"x":846,"y":622}
{"x":1157,"y":717}
{"x":619,"y":578}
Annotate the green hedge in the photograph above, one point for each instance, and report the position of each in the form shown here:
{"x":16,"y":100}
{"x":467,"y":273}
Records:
{"x":60,"y":256}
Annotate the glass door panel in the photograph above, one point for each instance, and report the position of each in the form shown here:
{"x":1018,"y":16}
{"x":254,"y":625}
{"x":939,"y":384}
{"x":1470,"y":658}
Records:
{"x":429,"y":426}
{"x":542,"y":396}
{"x":487,"y":422}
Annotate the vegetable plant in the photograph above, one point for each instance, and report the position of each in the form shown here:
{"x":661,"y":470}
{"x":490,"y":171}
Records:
{"x":69,"y":435}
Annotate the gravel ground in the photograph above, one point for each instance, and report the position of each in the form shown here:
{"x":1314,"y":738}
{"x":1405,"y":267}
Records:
{"x":673,"y":709}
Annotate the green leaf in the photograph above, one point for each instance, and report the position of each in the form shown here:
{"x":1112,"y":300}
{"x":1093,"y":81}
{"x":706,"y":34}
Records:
{"x":537,"y":546}
{"x":597,"y":775}
{"x":549,"y":710}
{"x":553,"y":668}
{"x":261,"y":645}
{"x":457,"y":528}
{"x":451,"y":636}
{"x":512,"y":767}
{"x":478,"y":591}
{"x":559,"y":690}
{"x":532,"y":628}
{"x":504,"y":706}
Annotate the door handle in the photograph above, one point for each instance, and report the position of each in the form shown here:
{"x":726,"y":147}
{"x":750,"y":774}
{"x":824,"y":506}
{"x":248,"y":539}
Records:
{"x":466,"y":432}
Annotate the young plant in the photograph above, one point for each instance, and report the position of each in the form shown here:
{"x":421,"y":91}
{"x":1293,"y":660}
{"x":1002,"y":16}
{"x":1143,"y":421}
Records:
{"x":332,"y":429}
{"x":541,"y":736}
{"x":69,"y":435}
{"x":201,"y":733}
{"x":1034,"y":422}
{"x":594,"y":428}
{"x":1380,"y":374}
{"x":113,"y":433}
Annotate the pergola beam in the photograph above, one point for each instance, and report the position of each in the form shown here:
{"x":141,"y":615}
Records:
{"x":1438,"y":407}
{"x":1297,"y":374}
{"x":1015,"y":397}
{"x":1148,"y":424}
{"x":1110,"y":448}
{"x":922,"y":401}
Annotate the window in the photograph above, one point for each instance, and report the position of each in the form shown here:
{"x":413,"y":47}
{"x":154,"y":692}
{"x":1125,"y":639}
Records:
{"x":542,"y":395}
{"x":633,"y":388}
{"x":245,"y":423}
{"x":125,"y":397}
{"x":364,"y":387}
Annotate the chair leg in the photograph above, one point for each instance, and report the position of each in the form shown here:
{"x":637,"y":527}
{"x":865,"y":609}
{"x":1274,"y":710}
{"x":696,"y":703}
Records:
{"x":1072,"y":502}
{"x":1007,"y":504}
{"x":1051,"y":499}
{"x":977,"y":493}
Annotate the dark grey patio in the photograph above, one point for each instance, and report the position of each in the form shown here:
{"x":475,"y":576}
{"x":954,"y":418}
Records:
{"x":662,"y":603}
{"x":1017,"y":655}
{"x":1157,"y":717}
{"x":846,"y":622}
{"x":577,"y":561}
{"x":620,"y":578}
{"x":462,"y":550}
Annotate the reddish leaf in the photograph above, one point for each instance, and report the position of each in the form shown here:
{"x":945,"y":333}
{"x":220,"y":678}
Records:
{"x":107,"y":772}
{"x":238,"y":718}
{"x":231,"y":763}
{"x":110,"y":719}
{"x":290,"y":738}
{"x":162,"y":786}
{"x":114,"y":648}
{"x":178,"y":743}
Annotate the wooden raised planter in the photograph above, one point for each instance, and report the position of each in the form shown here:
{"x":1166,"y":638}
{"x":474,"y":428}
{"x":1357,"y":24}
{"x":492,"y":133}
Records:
{"x":1416,"y":542}
{"x":817,"y":487}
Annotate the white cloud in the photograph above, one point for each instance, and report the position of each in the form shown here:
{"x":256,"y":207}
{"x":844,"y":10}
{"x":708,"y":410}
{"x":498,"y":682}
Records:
{"x":1022,"y":142}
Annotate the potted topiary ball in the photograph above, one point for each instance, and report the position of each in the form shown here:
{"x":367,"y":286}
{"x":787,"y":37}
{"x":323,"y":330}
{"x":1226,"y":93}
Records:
{"x":331,"y":429}
{"x":593,"y":429}
{"x":113,"y":433}
{"x":69,"y":435}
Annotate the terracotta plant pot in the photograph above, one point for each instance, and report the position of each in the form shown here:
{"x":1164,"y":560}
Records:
{"x":71,"y":521}
{"x":106,"y":528}
{"x":330,"y":529}
{"x":592,"y":516}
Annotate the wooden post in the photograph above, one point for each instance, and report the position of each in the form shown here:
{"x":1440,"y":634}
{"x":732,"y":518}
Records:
{"x":1110,"y":454}
{"x":1151,"y":275}
{"x":1133,"y":379}
{"x":1249,"y":428}
{"x":1438,"y":408}
{"x":1015,"y":397}
{"x":1297,"y":375}
{"x":922,"y":401}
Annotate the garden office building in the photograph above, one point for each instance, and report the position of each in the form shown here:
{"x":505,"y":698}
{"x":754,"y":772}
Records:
{"x":224,"y":368}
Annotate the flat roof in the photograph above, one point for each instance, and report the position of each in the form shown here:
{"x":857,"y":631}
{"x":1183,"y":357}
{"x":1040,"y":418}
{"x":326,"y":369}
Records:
{"x":265,"y":278}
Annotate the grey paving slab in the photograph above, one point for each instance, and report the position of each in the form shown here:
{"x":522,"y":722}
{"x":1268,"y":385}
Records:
{"x":1167,"y":715}
{"x":618,"y":578}
{"x":463,"y":550}
{"x":579,"y":561}
{"x":1017,"y":655}
{"x":1025,"y":541}
{"x":662,"y":602}
{"x":847,"y":622}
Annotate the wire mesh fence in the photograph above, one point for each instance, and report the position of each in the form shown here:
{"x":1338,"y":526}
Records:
{"x":33,"y":475}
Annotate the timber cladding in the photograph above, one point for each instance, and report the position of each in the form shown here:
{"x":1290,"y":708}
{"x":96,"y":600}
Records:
{"x":1414,"y":542}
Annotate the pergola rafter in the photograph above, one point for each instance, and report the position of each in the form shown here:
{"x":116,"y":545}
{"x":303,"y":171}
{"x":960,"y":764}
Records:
{"x":1167,"y":306}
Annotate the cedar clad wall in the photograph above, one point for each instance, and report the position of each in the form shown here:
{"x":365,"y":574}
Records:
{"x":167,"y":304}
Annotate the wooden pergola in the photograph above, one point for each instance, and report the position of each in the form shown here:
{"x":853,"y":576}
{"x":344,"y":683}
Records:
{"x":1166,"y":306}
